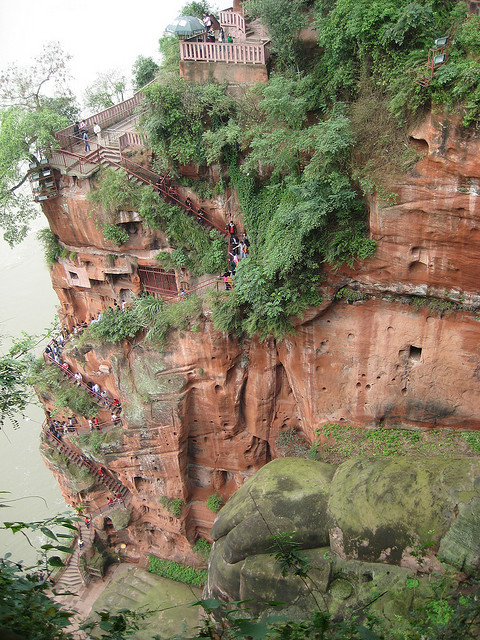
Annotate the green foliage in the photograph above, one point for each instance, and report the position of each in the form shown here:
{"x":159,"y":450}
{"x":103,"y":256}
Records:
{"x":115,"y":233}
{"x":159,"y":319}
{"x":390,"y":42}
{"x":169,"y":49}
{"x":101,"y":444}
{"x":196,"y":8}
{"x":115,"y":192}
{"x":26,"y":611}
{"x":214,"y":502}
{"x":473,"y":439}
{"x":115,"y":325}
{"x":284,"y":19}
{"x":172,"y":505}
{"x":179,"y":113}
{"x":29,"y":120}
{"x":107,"y":89}
{"x":286,"y":551}
{"x":50,"y":381}
{"x":350,"y":295}
{"x":144,"y":71}
{"x":51,"y":245}
{"x":202,"y":547}
{"x":176,"y":571}
{"x":17,"y":374}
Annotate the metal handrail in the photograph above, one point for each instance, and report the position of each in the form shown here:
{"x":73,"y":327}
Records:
{"x":70,"y":374}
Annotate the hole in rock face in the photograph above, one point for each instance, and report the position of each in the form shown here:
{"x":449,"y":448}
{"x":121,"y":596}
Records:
{"x":218,"y":388}
{"x":415,"y":353}
{"x":419,"y":144}
{"x":358,"y":385}
{"x":417,"y":267}
{"x":369,"y":386}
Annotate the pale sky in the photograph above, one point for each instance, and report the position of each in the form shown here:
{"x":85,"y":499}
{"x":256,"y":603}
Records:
{"x":99,"y":34}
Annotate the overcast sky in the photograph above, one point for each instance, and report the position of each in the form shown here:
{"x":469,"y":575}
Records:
{"x":99,"y":34}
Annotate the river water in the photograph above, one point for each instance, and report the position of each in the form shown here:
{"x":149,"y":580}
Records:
{"x":28,"y":303}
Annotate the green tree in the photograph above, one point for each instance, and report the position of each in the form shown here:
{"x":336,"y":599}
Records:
{"x":108,"y":89}
{"x":28,"y":121}
{"x":284,"y":19}
{"x":15,"y":376}
{"x":170,"y":53}
{"x":196,"y":9}
{"x":144,"y":71}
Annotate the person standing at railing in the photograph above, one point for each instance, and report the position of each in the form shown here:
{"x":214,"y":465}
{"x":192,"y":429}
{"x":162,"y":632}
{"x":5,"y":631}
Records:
{"x":76,"y":130}
{"x":207,"y":21}
{"x":97,"y":131}
{"x":85,"y":139}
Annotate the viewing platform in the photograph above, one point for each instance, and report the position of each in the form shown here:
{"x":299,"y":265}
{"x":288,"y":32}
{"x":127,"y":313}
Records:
{"x":241,"y":57}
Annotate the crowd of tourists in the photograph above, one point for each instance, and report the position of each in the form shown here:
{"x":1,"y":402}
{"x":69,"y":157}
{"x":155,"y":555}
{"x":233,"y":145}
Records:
{"x":238,"y":249}
{"x":53,"y":352}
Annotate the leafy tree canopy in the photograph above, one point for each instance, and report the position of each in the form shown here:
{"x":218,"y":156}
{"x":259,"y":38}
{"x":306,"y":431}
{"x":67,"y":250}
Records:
{"x":196,"y":9}
{"x":284,"y":20}
{"x":28,"y":120}
{"x":144,"y":71}
{"x":108,"y":89}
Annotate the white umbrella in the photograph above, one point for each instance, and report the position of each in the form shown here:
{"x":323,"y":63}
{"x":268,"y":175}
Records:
{"x":185,"y":26}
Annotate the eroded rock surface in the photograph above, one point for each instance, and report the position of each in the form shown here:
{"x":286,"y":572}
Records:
{"x":373,"y":523}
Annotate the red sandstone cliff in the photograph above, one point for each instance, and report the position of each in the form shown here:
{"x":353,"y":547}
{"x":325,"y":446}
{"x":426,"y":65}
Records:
{"x":203,"y":414}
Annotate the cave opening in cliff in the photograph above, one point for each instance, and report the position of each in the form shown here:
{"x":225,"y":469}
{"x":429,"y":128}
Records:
{"x":415,"y":353}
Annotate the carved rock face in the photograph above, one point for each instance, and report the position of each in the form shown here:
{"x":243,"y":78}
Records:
{"x":364,"y":515}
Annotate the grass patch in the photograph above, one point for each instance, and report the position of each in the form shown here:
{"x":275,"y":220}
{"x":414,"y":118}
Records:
{"x":337,"y":442}
{"x":176,"y":571}
{"x":202,"y":547}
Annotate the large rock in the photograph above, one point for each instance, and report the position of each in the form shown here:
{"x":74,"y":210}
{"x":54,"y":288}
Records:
{"x":390,"y":510}
{"x":288,"y":494}
{"x":389,"y":522}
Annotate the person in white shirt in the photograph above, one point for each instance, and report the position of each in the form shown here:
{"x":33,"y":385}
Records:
{"x":97,"y":131}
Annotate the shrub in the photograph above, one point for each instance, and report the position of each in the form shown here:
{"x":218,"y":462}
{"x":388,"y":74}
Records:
{"x":115,"y":192}
{"x":116,"y":325}
{"x":115,"y":233}
{"x":214,"y":502}
{"x":51,"y":246}
{"x":202,"y":547}
{"x":172,"y":505}
{"x":48,"y":380}
{"x":176,"y":571}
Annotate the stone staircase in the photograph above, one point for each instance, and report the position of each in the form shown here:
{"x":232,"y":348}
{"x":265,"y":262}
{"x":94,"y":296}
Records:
{"x":72,"y":579}
{"x":100,"y":473}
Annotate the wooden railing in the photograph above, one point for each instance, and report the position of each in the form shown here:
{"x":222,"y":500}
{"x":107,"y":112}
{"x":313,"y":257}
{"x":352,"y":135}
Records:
{"x":242,"y":53}
{"x":131,"y":139}
{"x":104,"y":118}
{"x":232,"y":20}
{"x":68,"y":159}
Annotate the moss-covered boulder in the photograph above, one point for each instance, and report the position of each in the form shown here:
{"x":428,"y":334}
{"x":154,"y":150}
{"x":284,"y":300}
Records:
{"x":287,"y":495}
{"x":371,"y":531}
{"x":399,"y":510}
